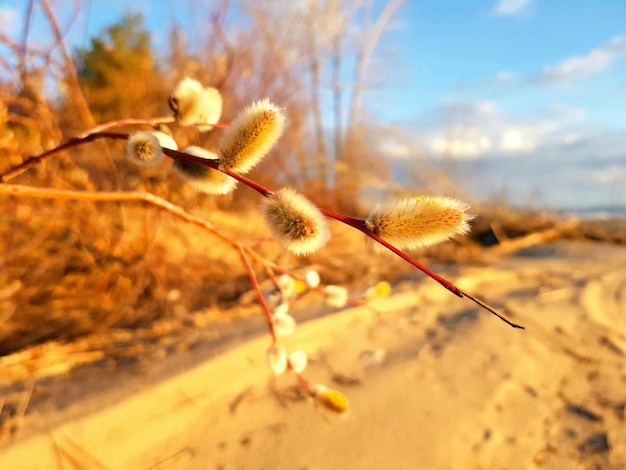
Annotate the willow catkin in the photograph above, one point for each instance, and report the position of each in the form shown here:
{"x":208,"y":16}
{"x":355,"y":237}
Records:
{"x":144,"y":148}
{"x":250,"y":136}
{"x":330,"y":399}
{"x":295,"y":221}
{"x":164,"y":134}
{"x":277,"y":358}
{"x":202,"y":177}
{"x":196,"y":105}
{"x":420,"y":221}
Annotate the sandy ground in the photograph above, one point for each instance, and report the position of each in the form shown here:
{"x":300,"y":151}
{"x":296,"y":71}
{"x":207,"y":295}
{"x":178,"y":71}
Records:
{"x":433,"y":383}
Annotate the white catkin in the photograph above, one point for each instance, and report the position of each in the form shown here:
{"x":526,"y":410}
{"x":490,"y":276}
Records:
{"x":144,"y":148}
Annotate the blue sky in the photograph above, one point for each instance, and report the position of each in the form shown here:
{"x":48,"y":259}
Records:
{"x":526,"y":98}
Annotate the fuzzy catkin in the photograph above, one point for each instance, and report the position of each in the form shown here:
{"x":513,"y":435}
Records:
{"x":163,"y":133}
{"x":144,"y":148}
{"x":251,"y":136}
{"x":420,"y":221}
{"x":195,"y":105}
{"x":202,"y":177}
{"x":295,"y":221}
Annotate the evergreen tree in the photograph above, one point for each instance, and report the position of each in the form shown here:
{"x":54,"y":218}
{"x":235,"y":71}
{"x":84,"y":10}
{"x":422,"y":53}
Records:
{"x":117,"y":72}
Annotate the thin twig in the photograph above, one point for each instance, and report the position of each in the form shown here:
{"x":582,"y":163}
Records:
{"x":259,"y":293}
{"x":126,"y":122}
{"x":358,"y":224}
{"x":70,"y":70}
{"x":35,"y":160}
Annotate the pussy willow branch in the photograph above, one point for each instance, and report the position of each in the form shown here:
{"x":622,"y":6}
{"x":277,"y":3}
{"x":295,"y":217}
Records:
{"x":358,"y":224}
{"x":245,"y":251}
{"x":127,"y":122}
{"x":35,"y":160}
{"x":259,"y":293}
{"x":94,"y":133}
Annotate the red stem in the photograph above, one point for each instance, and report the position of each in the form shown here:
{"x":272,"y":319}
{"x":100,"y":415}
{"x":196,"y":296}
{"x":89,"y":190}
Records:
{"x":259,"y":292}
{"x":358,"y":224}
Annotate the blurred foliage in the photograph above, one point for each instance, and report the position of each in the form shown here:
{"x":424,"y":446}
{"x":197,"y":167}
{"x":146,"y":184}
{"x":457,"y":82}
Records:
{"x":118,"y":74}
{"x":85,"y":267}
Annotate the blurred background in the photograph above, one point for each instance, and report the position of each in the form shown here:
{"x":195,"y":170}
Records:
{"x":515,"y":106}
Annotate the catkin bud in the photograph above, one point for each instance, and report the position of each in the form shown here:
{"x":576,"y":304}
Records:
{"x":250,"y":136}
{"x":164,"y":134}
{"x":283,"y":324}
{"x":295,"y":221}
{"x":277,"y":358}
{"x":298,"y":361}
{"x":330,"y":399}
{"x":420,"y":221}
{"x":312,"y":278}
{"x":336,"y":296}
{"x":144,"y":149}
{"x":195,"y":105}
{"x":379,"y":291}
{"x":287,"y":285}
{"x":201,"y":177}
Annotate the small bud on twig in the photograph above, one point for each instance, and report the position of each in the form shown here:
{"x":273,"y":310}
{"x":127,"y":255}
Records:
{"x":312,"y":278}
{"x":287,"y":285}
{"x":298,"y":361}
{"x":284,"y":324}
{"x":164,"y":134}
{"x":330,"y":399}
{"x":201,"y":177}
{"x":277,"y":358}
{"x":251,"y":136}
{"x":144,"y":148}
{"x":379,"y":291}
{"x":420,"y":221}
{"x":295,"y":221}
{"x":336,"y":296}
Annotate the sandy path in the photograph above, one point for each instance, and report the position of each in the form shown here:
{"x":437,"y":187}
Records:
{"x":457,"y":389}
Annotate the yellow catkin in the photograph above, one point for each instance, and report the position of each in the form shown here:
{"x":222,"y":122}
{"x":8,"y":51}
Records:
{"x":251,"y":136}
{"x":331,"y":399}
{"x":295,"y":221}
{"x":420,"y":221}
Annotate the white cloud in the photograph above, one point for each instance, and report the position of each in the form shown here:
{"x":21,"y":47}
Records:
{"x":554,"y":157}
{"x":510,"y":7}
{"x":469,"y":130}
{"x":517,"y":140}
{"x":505,"y":77}
{"x":580,"y":67}
{"x":466,"y":147}
{"x":397,"y":150}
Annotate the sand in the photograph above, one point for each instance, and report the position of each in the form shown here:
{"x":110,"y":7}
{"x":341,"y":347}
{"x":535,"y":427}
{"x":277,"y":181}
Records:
{"x":433,"y":383}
